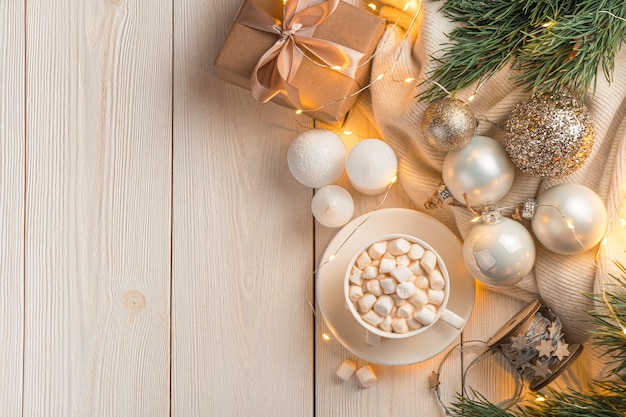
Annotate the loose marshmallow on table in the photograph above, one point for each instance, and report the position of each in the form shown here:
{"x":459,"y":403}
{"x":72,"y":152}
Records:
{"x":372,"y":339}
{"x":346,"y":369}
{"x":366,"y":376}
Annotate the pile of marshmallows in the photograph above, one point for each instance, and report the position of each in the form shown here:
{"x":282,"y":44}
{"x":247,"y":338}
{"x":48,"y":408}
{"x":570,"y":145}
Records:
{"x":318,"y":157}
{"x":396,"y":285}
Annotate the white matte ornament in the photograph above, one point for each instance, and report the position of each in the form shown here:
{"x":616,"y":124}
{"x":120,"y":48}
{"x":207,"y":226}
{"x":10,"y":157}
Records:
{"x":482,"y":170}
{"x":371,"y":165}
{"x":332,"y":206}
{"x":316,"y":158}
{"x":569,"y":219}
{"x":499,"y":253}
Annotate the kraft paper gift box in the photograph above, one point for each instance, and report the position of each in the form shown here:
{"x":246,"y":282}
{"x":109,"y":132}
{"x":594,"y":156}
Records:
{"x":322,"y":92}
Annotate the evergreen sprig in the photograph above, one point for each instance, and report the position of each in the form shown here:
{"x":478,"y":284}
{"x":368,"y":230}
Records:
{"x":604,"y":398}
{"x":553,"y":45}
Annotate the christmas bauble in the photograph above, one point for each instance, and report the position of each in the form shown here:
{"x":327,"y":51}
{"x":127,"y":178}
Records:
{"x":569,"y":219}
{"x":499,"y":253}
{"x":316,"y":158}
{"x":482,"y":170}
{"x":549,"y":135}
{"x":332,"y":206}
{"x":448,"y":124}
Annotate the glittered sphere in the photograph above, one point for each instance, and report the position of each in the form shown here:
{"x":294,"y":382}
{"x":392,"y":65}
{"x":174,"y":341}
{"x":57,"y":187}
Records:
{"x":316,"y":158}
{"x":549,"y":135}
{"x":499,"y":253}
{"x":448,"y":124}
{"x":569,"y":219}
{"x":482,"y":170}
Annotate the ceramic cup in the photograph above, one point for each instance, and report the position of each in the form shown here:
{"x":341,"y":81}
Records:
{"x":441,"y":313}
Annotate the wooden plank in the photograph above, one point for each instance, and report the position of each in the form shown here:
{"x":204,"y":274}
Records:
{"x":11,"y":206}
{"x":400,"y":390}
{"x":242,"y":244}
{"x":98,"y":208}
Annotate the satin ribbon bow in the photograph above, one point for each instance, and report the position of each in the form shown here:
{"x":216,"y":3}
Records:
{"x":276,"y":69}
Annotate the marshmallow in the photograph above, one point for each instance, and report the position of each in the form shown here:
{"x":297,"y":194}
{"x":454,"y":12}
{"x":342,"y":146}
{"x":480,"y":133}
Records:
{"x":406,"y":290}
{"x":370,"y":272}
{"x":436,"y":297}
{"x":416,"y":268}
{"x":425,"y":316}
{"x":401,"y":273}
{"x":385,"y":325}
{"x":429,"y":261}
{"x":405,"y":311}
{"x":413,"y":324}
{"x":366,"y":376}
{"x":388,"y":285}
{"x":422,"y":282}
{"x":387,"y":265}
{"x":416,"y":251}
{"x":372,"y":318}
{"x":436,"y":280}
{"x":373,"y":287}
{"x":372,"y":339}
{"x":419,"y":299}
{"x":383,"y":305}
{"x":366,"y":302}
{"x":399,"y":301}
{"x":403,"y":260}
{"x":399,"y":325}
{"x":398,"y":246}
{"x":356,"y":276}
{"x":363,"y":260}
{"x":355,"y":292}
{"x":377,"y":250}
{"x":346,"y":369}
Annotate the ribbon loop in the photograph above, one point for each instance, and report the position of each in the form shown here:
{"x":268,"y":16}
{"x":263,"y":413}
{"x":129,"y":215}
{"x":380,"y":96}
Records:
{"x":276,"y":69}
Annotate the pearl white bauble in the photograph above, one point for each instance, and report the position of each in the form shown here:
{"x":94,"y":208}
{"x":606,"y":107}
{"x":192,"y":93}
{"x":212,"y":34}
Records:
{"x":332,"y":206}
{"x":499,"y":253}
{"x":482,"y":169}
{"x":569,"y":219}
{"x":316,"y":158}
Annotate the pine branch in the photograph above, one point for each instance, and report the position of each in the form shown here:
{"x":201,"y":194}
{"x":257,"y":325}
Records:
{"x":553,"y":45}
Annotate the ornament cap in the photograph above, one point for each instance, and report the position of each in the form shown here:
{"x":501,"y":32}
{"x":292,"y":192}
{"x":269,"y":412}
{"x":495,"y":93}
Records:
{"x":491,"y":215}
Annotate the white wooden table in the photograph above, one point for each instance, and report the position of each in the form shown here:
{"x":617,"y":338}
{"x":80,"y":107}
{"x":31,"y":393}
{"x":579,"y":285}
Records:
{"x":157,"y":255}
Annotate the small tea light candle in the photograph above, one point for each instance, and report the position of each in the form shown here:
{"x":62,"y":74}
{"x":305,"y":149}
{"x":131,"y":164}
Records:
{"x":371,"y":166}
{"x":332,"y":206}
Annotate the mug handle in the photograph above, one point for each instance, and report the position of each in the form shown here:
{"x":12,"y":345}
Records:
{"x":452,"y":319}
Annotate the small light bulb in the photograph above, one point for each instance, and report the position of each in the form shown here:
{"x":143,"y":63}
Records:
{"x":622,"y":222}
{"x":624,"y":330}
{"x":372,"y":6}
{"x":470,"y":98}
{"x":547,"y":24}
{"x":380,"y":76}
{"x":540,"y":398}
{"x":408,"y":80}
{"x":347,"y":132}
{"x":336,"y":67}
{"x":570,"y":224}
{"x":325,"y":336}
{"x":331,"y":258}
{"x":298,"y":111}
{"x":475,"y":219}
{"x":393,"y":179}
{"x":604,"y":241}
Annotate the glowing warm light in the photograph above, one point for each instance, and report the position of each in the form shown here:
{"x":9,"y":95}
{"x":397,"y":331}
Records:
{"x":394,"y":179}
{"x":540,"y":399}
{"x":475,"y":219}
{"x":372,"y":6}
{"x":548,"y":24}
{"x":331,"y":257}
{"x":406,"y":6}
{"x":347,"y":132}
{"x":298,"y":111}
{"x":624,"y":330}
{"x":408,"y":80}
{"x":470,"y":98}
{"x":570,"y":224}
{"x":604,"y":241}
{"x":336,"y":67}
{"x":380,"y":77}
{"x":325,"y":336}
{"x":622,"y":222}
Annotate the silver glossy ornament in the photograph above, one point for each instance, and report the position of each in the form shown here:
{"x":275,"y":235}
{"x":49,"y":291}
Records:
{"x":549,"y":135}
{"x":499,"y":251}
{"x":448,"y":124}
{"x":569,"y":219}
{"x":481,"y":169}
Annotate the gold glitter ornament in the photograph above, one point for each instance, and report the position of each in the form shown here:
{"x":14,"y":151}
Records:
{"x":549,"y":135}
{"x":448,"y":124}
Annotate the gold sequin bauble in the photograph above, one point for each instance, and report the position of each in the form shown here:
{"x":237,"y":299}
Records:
{"x":448,"y":124}
{"x":549,"y":135}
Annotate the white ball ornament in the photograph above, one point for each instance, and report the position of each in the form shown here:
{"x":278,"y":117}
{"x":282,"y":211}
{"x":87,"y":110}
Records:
{"x":316,"y":158}
{"x":499,"y":251}
{"x":482,"y":170}
{"x":569,"y":219}
{"x":332,"y":206}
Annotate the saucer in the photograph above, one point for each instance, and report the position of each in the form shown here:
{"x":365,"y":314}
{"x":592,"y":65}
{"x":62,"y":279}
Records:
{"x":330,"y":275}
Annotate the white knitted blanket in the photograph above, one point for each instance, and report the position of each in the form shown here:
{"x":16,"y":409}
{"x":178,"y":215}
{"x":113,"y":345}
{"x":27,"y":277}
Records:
{"x":560,"y":281}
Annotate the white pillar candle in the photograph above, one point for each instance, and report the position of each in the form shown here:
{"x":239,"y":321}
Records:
{"x":371,"y":165}
{"x":332,"y":206}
